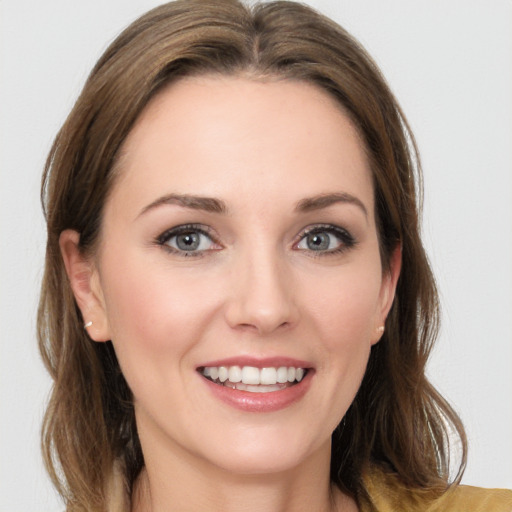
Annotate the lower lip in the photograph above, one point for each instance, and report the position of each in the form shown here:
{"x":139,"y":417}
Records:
{"x":261,"y":402}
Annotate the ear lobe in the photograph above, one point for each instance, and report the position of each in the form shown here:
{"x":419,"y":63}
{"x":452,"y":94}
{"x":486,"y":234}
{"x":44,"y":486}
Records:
{"x":85,"y":283}
{"x":387,"y":291}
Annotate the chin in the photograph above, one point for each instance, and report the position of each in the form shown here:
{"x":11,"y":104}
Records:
{"x":260,"y":453}
{"x":261,"y":464}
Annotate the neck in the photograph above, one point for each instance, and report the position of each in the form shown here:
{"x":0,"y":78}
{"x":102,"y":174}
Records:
{"x":187,"y":484}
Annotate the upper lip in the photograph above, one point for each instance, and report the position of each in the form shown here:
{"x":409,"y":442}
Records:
{"x":258,"y":362}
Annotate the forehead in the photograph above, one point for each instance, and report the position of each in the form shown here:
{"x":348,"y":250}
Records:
{"x":230,"y":136}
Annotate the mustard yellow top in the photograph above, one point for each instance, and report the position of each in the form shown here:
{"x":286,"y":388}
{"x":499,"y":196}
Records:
{"x":388,"y":496}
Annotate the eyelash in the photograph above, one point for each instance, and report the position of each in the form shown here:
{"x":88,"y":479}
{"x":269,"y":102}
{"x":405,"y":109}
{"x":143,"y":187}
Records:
{"x":346,"y":239}
{"x":163,"y":239}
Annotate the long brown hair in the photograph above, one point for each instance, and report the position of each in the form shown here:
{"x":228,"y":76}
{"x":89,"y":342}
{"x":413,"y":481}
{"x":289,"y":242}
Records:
{"x":397,"y":422}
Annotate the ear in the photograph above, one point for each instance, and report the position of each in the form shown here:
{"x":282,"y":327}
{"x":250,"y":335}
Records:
{"x":387,"y":292}
{"x":85,"y":283}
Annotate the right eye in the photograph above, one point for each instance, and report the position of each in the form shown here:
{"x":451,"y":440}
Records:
{"x":187,"y":240}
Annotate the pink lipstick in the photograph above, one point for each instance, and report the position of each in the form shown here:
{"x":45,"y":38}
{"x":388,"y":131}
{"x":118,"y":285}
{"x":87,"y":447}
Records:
{"x":257,"y":385}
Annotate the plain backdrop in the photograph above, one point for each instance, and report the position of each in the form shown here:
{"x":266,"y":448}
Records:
{"x":449,"y":62}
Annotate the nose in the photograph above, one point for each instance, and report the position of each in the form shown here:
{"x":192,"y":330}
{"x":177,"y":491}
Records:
{"x":261,"y":297}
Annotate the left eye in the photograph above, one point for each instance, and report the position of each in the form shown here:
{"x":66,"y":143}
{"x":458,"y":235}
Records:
{"x":187,"y":240}
{"x":325,"y":240}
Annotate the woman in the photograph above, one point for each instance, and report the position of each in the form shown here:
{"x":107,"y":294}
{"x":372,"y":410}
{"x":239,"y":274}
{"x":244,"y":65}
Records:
{"x":233,"y":202}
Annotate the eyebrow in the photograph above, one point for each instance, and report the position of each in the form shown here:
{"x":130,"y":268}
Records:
{"x":214,"y":205}
{"x":324,"y":200}
{"x":207,"y":204}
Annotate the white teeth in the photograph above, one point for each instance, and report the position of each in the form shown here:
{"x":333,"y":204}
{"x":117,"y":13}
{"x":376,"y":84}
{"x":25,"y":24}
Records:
{"x":250,"y":375}
{"x":258,"y":389}
{"x":254,"y":377}
{"x":223,"y":374}
{"x":235,"y":374}
{"x":268,"y":376}
{"x":282,"y":375}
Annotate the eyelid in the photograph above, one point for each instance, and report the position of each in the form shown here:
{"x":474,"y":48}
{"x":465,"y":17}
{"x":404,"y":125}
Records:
{"x":184,"y":228}
{"x":162,"y":239}
{"x":346,"y":238}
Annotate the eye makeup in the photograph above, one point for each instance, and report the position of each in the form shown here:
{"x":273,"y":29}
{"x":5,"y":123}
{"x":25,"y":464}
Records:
{"x":196,"y":240}
{"x":325,"y":240}
{"x":188,"y":240}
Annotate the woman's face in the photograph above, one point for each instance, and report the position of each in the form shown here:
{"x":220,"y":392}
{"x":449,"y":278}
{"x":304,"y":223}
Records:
{"x":241,"y":235}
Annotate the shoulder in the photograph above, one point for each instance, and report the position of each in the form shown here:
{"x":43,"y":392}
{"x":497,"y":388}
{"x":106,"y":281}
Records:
{"x":387,"y":494}
{"x":474,"y":499}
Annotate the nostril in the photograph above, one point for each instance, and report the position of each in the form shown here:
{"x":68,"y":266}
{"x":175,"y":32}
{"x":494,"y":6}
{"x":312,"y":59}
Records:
{"x":260,"y":327}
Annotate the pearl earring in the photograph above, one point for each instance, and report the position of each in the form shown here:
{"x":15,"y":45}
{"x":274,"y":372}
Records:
{"x":88,"y":324}
{"x":380,"y":329}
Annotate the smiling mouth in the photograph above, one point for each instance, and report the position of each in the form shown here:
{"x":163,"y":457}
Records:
{"x":252,"y":379}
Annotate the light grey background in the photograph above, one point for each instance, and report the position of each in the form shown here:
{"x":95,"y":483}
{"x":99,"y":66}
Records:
{"x":449,"y":63}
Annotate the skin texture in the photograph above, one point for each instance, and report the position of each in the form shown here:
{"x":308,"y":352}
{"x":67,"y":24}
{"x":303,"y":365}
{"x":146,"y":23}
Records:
{"x":254,"y":288}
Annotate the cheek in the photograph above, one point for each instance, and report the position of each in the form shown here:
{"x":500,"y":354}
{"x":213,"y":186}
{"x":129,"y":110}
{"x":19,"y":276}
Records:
{"x":343,"y":315}
{"x":155,"y":313}
{"x":346,"y":307}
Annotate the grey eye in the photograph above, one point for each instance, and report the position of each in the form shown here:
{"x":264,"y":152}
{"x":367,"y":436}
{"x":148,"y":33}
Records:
{"x":318,"y":241}
{"x":188,"y":241}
